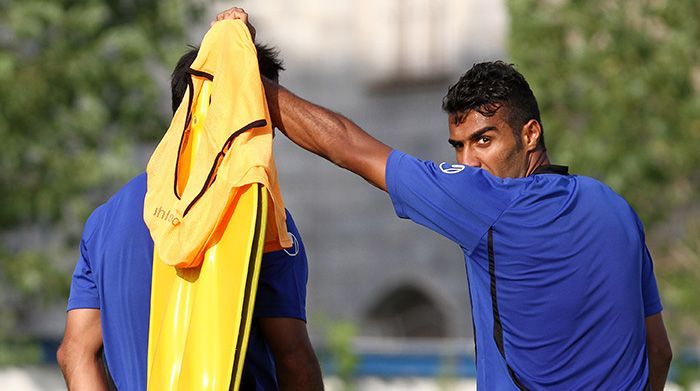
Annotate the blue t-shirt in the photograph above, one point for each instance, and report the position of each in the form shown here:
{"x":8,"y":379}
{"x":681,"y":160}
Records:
{"x":559,"y":275}
{"x":113,"y":274}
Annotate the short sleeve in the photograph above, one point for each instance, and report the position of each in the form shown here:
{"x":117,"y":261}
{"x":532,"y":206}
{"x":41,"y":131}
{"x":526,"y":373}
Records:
{"x":456,"y":201}
{"x":83,"y":288}
{"x":283,"y":278}
{"x":650,"y":292}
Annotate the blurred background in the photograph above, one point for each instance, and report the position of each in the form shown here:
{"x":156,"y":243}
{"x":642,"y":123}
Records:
{"x":86,"y":98}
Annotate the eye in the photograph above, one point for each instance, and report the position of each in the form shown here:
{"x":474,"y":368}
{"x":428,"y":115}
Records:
{"x":482,"y":140}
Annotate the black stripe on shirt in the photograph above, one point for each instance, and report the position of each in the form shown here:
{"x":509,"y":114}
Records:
{"x":497,"y":326}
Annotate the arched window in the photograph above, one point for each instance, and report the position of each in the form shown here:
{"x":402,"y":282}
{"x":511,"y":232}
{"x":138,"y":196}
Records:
{"x":406,"y":311}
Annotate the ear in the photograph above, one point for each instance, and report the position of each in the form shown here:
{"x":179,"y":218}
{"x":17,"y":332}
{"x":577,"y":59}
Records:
{"x":531,"y":134}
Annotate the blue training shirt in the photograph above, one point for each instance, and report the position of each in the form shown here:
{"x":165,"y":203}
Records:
{"x":559,"y":275}
{"x":113,"y":274}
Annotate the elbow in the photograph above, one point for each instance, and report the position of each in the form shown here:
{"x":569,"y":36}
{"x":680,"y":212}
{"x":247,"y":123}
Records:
{"x":339,"y":160}
{"x":667,"y":356}
{"x":294,"y":362}
{"x":662,"y":354}
{"x":339,"y":148}
{"x":71,"y":354}
{"x":302,"y":365}
{"x":62,"y":356}
{"x":344,"y":157}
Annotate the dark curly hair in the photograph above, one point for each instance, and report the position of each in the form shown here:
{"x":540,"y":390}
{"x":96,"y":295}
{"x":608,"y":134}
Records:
{"x":487,"y":87}
{"x":268,"y":61}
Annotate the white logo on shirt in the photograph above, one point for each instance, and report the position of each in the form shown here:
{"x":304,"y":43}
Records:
{"x":294,"y":250}
{"x":451,"y":168}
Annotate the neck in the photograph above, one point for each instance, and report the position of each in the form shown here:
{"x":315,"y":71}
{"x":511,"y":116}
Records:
{"x":535,"y":160}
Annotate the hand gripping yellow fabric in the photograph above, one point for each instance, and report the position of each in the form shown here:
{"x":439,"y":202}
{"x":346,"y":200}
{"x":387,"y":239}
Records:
{"x":236,"y":149}
{"x":200,"y":315}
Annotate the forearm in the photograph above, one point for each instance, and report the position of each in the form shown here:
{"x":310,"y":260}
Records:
{"x":658,"y":371}
{"x":299,"y":373}
{"x":299,"y":119}
{"x":327,"y":134}
{"x":659,"y":351}
{"x":295,"y":361}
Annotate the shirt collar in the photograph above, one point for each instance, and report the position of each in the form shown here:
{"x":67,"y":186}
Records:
{"x":551,"y":169}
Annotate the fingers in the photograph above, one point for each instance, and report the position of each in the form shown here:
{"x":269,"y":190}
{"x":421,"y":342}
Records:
{"x":233,"y":13}
{"x":236,"y":13}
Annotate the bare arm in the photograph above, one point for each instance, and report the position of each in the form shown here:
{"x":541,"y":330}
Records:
{"x":658,"y":350}
{"x":295,"y":360}
{"x":328,"y":134}
{"x":319,"y":130}
{"x":78,"y":356}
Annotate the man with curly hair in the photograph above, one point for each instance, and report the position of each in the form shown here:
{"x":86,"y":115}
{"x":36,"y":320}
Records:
{"x":561,"y":282}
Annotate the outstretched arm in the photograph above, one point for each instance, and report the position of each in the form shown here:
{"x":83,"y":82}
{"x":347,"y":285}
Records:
{"x":319,"y":130}
{"x":327,"y":134}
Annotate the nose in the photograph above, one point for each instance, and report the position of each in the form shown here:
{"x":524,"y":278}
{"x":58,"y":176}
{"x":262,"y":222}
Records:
{"x":468,"y":159}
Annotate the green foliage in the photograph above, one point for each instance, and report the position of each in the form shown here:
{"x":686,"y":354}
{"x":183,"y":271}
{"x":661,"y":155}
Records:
{"x":19,"y":352}
{"x":681,"y":295}
{"x":447,"y":375}
{"x":340,"y":338}
{"x":338,"y":349}
{"x":619,"y":90}
{"x":79,"y":94}
{"x":618,"y":84}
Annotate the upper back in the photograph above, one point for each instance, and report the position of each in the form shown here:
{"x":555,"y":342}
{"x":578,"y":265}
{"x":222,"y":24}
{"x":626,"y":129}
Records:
{"x":559,"y":275}
{"x":568,"y":256}
{"x":121,"y":252}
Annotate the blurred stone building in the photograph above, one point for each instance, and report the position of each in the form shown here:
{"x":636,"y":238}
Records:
{"x":386,"y":64}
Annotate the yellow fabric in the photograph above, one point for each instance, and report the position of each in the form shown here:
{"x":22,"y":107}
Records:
{"x":235,"y":150}
{"x":200,"y":317}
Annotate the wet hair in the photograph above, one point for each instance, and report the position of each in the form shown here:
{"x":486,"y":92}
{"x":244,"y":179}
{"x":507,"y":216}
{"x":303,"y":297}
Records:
{"x":488,"y":87}
{"x":268,"y":61}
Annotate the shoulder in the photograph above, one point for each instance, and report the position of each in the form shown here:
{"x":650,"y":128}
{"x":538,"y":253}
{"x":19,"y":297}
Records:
{"x":129,"y":197}
{"x":418,"y":184}
{"x":408,"y":166}
{"x":131,"y":193}
{"x":136,"y":187}
{"x":93,"y":223}
{"x":583,"y":186}
{"x":606,"y":198}
{"x":601,"y":191}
